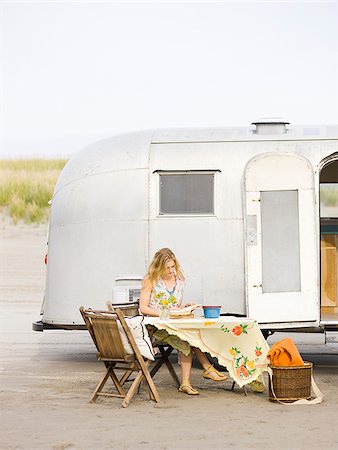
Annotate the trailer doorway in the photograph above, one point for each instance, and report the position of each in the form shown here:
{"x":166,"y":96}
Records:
{"x":328,"y":191}
{"x":281,"y":235}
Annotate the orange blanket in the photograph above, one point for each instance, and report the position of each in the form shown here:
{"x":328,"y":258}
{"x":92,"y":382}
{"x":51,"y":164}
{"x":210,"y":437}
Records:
{"x":285,"y":353}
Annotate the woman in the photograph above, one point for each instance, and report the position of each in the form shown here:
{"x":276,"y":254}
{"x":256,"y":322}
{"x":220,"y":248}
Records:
{"x":164,"y":284}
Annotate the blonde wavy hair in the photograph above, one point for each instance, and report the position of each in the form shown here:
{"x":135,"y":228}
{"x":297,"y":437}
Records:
{"x":157,"y":266}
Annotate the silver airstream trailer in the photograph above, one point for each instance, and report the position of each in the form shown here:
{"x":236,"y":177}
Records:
{"x":252,"y":214}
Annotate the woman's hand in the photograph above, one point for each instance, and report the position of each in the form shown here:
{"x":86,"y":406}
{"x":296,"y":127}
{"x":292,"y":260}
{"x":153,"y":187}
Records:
{"x":187,"y":305}
{"x":177,"y":307}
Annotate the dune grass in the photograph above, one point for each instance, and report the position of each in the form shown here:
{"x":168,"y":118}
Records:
{"x":329,"y":197}
{"x":26,"y":186}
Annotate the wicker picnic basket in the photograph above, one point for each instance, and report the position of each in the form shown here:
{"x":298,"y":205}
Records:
{"x":291,"y":383}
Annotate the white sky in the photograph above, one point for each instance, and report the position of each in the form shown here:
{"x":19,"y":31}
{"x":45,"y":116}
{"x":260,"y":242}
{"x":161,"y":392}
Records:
{"x":76,"y":72}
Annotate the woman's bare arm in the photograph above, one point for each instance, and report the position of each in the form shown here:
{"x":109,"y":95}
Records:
{"x":145,"y":299}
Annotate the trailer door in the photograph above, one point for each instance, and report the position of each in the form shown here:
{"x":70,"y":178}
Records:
{"x":281,"y":246}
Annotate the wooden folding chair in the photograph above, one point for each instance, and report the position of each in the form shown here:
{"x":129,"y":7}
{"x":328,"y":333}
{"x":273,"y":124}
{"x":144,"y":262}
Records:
{"x":128,"y":309}
{"x":103,"y":328}
{"x":164,"y":349}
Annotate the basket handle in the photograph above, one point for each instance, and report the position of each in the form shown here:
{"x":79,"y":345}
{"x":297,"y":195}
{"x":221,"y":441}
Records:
{"x":317,"y":399}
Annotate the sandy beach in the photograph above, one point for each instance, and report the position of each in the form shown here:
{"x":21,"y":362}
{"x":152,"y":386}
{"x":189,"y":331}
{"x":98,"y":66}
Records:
{"x":47,"y":380}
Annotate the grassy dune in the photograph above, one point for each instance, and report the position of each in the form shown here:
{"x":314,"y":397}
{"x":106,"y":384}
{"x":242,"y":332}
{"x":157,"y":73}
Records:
{"x":26,"y":186}
{"x":330,"y":198}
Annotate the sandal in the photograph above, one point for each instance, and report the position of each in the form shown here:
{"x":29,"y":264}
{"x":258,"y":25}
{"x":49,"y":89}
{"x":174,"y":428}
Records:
{"x":214,"y":374}
{"x":188,"y":389}
{"x":257,"y":386}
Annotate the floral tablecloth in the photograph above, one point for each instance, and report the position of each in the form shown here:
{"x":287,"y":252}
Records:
{"x":238,"y":344}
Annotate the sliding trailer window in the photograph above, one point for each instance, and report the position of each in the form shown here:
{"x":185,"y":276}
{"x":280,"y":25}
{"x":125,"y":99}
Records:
{"x":187,"y":192}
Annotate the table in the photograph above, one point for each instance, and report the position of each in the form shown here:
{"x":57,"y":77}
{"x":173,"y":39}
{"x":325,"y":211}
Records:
{"x":237,"y":343}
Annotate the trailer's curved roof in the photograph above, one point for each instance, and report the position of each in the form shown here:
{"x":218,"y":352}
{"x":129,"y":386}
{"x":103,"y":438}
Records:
{"x":131,"y":150}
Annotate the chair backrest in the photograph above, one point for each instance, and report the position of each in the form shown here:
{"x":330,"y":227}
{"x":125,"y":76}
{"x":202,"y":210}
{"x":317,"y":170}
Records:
{"x":128,"y":309}
{"x":103,"y":328}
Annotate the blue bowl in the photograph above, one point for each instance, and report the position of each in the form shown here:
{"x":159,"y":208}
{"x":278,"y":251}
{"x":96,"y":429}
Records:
{"x":212,"y":312}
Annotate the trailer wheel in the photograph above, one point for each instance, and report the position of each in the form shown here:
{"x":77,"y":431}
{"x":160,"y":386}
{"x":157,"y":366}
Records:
{"x":267,"y":333}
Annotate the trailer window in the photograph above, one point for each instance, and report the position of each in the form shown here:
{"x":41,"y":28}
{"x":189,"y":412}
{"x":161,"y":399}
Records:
{"x":187,"y":193}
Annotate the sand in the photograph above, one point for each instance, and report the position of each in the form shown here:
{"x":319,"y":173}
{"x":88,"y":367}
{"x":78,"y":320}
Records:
{"x":47,"y":380}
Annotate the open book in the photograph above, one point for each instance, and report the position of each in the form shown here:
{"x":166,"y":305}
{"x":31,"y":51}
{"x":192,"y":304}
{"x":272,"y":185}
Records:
{"x":186,"y":311}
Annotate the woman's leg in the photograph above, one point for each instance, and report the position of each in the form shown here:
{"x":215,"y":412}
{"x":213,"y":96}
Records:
{"x":209,"y":369}
{"x":203,"y":360}
{"x":186,"y":362}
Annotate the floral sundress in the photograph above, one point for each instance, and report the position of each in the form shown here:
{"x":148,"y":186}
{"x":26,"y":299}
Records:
{"x":160,"y":295}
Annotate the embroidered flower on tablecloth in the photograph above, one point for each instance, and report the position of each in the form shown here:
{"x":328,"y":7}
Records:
{"x":209,"y":322}
{"x":239,"y":329}
{"x":244,"y":367}
{"x":234,"y":352}
{"x":250,"y":364}
{"x":244,"y":370}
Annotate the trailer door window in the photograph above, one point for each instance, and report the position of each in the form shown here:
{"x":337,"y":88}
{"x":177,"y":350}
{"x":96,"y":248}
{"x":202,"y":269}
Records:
{"x":280,"y":241}
{"x":187,"y":193}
